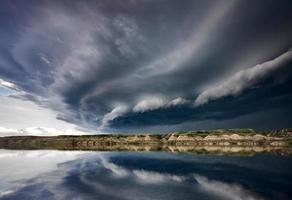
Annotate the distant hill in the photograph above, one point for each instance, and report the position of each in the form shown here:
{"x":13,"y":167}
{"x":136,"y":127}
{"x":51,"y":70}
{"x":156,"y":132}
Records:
{"x":206,"y":140}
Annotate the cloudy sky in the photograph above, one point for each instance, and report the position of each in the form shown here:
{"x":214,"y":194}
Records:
{"x":144,"y":65}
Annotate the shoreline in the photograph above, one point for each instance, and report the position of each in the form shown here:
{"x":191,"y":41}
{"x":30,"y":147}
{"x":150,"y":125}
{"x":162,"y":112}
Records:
{"x":229,"y":141}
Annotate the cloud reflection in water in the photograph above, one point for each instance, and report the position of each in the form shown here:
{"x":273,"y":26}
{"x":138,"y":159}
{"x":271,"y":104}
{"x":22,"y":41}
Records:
{"x":93,"y":175}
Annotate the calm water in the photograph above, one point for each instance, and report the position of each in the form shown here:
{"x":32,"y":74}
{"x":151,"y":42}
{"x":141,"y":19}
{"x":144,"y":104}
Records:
{"x":140,"y":176}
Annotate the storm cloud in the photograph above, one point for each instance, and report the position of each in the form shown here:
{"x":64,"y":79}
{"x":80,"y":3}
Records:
{"x":244,"y":79}
{"x":143,"y":65}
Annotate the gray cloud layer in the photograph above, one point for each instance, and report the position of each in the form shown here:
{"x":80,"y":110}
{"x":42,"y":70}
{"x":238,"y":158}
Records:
{"x":243,"y":79}
{"x":95,"y":62}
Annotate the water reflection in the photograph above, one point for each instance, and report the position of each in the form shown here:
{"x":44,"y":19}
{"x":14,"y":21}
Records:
{"x":95,"y":175}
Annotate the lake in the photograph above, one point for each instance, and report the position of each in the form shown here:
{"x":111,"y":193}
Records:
{"x":51,"y":174}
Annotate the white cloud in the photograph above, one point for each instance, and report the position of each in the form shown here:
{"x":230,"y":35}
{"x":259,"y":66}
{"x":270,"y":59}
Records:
{"x":33,"y":167}
{"x":39,"y":131}
{"x":7,"y":192}
{"x":178,"y":101}
{"x":149,"y":103}
{"x":142,"y":176}
{"x":17,"y":166}
{"x":19,"y":114}
{"x":8,"y":131}
{"x":115,"y":169}
{"x":118,"y":111}
{"x":227,"y":191}
{"x":149,"y":177}
{"x":8,"y":85}
{"x":242,"y":80}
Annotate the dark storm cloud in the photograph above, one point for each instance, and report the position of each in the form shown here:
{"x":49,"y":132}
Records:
{"x":265,"y":98}
{"x":109,"y":64}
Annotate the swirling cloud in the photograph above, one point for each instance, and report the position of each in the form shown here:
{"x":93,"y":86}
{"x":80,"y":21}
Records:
{"x":102,"y":65}
{"x":244,"y":79}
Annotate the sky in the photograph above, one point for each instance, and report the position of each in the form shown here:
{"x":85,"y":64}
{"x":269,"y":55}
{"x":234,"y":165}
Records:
{"x":132,"y":66}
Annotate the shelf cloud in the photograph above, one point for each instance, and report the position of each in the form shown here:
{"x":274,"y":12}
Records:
{"x":244,"y":79}
{"x":117,"y":66}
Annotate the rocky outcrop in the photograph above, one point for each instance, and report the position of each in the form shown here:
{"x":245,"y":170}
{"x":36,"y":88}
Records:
{"x":229,"y":139}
